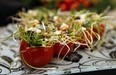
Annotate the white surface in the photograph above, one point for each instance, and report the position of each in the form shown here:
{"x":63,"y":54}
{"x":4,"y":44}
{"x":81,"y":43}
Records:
{"x":96,"y":60}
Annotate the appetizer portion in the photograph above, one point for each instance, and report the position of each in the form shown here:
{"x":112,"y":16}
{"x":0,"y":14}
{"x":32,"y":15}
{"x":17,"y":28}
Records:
{"x":62,"y":32}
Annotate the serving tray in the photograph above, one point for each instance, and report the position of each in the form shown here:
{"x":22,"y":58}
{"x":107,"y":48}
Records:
{"x":102,"y":58}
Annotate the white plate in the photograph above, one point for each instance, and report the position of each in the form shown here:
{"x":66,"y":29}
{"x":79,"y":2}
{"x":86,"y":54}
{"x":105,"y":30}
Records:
{"x":100,"y":59}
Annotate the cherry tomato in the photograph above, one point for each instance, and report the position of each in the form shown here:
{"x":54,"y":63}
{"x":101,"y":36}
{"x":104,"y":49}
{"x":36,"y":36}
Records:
{"x":86,"y":3}
{"x":91,"y":34}
{"x":35,"y":57}
{"x":83,"y":39}
{"x":63,"y":49}
{"x":82,"y":46}
{"x":68,"y":1}
{"x":63,"y":7}
{"x":75,"y":5}
{"x":100,"y":29}
{"x":80,"y":1}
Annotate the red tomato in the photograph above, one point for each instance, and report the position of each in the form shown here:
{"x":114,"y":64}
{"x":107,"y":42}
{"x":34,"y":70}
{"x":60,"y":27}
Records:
{"x":86,"y":3}
{"x":63,"y":48}
{"x":80,"y":1}
{"x":75,"y":5}
{"x":68,"y":1}
{"x":82,"y":46}
{"x":100,"y":29}
{"x":89,"y":34}
{"x":63,"y":7}
{"x":35,"y":57}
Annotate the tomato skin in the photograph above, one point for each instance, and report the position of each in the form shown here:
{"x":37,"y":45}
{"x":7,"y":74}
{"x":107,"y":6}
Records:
{"x":80,"y":1}
{"x":68,"y":1}
{"x":86,"y":3}
{"x":66,"y":5}
{"x":64,"y":48}
{"x":82,"y":46}
{"x":83,"y":39}
{"x":35,"y":57}
{"x":63,"y":6}
{"x":100,"y":29}
{"x":75,"y":5}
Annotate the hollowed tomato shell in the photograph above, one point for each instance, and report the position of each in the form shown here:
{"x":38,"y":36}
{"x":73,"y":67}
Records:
{"x":35,"y":57}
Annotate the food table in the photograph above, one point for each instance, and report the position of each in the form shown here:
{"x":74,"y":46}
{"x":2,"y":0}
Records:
{"x":102,"y":59}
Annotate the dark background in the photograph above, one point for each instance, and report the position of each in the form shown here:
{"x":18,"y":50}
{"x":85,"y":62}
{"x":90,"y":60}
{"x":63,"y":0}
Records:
{"x":9,"y":8}
{"x":102,"y":72}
